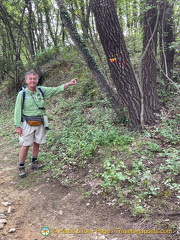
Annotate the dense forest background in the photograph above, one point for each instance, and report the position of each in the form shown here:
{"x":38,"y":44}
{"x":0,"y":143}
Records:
{"x":124,"y":111}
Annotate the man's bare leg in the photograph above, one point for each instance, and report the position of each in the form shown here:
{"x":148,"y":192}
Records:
{"x":22,"y":157}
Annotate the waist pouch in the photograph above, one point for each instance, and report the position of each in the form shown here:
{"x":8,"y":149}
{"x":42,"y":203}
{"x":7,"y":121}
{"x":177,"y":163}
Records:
{"x":34,"y":120}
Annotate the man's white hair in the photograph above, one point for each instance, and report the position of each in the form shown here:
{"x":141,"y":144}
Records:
{"x":31,"y":72}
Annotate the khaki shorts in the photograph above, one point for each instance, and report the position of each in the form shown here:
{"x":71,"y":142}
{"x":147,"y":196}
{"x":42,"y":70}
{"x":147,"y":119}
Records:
{"x":32,"y":134}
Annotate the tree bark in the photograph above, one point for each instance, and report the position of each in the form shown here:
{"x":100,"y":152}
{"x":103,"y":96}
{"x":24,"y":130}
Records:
{"x":122,"y":73}
{"x":148,"y":61}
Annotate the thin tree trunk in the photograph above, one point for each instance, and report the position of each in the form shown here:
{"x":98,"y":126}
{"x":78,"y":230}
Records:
{"x":48,"y":22}
{"x":16,"y":43}
{"x":148,"y":61}
{"x":19,"y":27}
{"x":166,"y":39}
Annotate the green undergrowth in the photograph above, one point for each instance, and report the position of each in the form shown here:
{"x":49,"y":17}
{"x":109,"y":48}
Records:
{"x":132,"y":167}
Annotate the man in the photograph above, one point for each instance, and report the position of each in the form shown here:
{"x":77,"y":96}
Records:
{"x":29,"y":117}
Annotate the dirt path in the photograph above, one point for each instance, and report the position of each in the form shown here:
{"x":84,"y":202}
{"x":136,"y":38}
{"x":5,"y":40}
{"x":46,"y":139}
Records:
{"x":62,"y":209}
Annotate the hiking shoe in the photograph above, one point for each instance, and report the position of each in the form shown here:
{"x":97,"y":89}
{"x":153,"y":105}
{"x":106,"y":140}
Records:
{"x":36,"y":165}
{"x":22,"y":173}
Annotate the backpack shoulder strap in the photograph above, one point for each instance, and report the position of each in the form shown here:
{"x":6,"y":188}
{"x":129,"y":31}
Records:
{"x":23,"y":96}
{"x":40,"y":89}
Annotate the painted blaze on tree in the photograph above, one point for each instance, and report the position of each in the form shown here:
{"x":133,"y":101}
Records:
{"x":112,"y":39}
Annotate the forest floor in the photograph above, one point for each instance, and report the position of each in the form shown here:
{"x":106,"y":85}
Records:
{"x":35,"y":202}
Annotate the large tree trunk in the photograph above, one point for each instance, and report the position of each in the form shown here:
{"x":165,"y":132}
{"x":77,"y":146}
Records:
{"x":148,"y":60}
{"x":122,"y":73}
